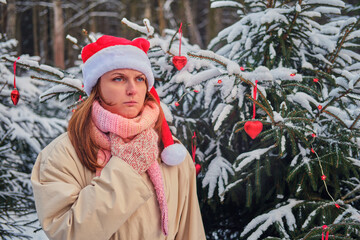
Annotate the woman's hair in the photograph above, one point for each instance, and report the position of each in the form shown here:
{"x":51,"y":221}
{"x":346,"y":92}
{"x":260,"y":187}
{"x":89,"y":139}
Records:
{"x":80,"y":123}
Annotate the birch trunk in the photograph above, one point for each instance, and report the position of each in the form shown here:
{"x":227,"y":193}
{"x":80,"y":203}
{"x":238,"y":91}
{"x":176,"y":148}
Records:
{"x":59,"y":44}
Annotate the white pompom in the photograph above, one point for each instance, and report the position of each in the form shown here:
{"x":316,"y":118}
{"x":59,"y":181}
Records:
{"x":173,"y":154}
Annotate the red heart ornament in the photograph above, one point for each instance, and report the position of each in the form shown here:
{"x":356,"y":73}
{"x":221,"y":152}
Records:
{"x":15,"y":95}
{"x":253,"y":128}
{"x":179,"y":62}
{"x":198,"y":168}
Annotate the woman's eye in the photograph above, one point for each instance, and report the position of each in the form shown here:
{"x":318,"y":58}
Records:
{"x":118,"y":79}
{"x":141,"y":79}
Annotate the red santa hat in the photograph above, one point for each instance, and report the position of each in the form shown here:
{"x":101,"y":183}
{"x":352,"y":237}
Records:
{"x":110,"y":53}
{"x":173,"y":153}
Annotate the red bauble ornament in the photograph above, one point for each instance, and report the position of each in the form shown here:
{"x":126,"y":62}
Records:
{"x":253,"y":128}
{"x":15,"y":95}
{"x":179,"y":62}
{"x":242,"y":68}
{"x":198,"y":168}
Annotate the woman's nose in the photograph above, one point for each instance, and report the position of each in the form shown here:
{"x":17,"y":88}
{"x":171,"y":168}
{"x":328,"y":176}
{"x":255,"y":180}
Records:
{"x":131,"y":88}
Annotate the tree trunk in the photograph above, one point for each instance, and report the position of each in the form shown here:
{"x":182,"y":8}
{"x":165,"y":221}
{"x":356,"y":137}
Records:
{"x":161,"y":18}
{"x":59,"y":44}
{"x":44,"y":35}
{"x":35,"y":30}
{"x":195,"y":36}
{"x":147,"y":12}
{"x":215,"y":23}
{"x":11,"y":19}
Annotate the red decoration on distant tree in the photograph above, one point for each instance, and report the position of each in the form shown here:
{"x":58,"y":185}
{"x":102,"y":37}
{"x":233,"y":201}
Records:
{"x":197,"y":91}
{"x":337,"y":205}
{"x":242,"y":68}
{"x":179,"y":61}
{"x":219,"y":81}
{"x":315,"y":80}
{"x":313,"y":135}
{"x":253,"y":128}
{"x":312,"y":150}
{"x":193,"y":149}
{"x":292,"y":74}
{"x":177,"y":104}
{"x":323,"y":177}
{"x":319,"y":107}
{"x":15,"y":95}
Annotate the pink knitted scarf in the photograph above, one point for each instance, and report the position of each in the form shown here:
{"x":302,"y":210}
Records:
{"x":105,"y":123}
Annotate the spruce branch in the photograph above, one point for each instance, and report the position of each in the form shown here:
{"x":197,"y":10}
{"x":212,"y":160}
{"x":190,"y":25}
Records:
{"x":354,"y":123}
{"x":85,"y":32}
{"x":59,"y":82}
{"x":335,"y":99}
{"x":301,"y":86}
{"x":3,"y":87}
{"x":270,"y":114}
{"x":351,"y":193}
{"x":37,"y":69}
{"x":336,"y":52}
{"x":336,"y":117}
{"x":207,"y":58}
{"x":292,"y":23}
{"x":72,"y":40}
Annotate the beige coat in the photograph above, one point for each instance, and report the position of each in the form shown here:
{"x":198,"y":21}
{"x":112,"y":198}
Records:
{"x":120,"y":204}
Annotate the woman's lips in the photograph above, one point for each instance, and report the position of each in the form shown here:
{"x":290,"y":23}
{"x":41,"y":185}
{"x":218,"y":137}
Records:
{"x":130,"y":103}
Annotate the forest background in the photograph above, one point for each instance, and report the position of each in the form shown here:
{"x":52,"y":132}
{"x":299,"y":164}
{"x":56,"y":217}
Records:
{"x":299,"y":175}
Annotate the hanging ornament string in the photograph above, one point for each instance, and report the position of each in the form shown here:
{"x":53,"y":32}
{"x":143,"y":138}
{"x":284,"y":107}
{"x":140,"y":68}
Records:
{"x":193,"y":146}
{"x":193,"y":150}
{"x":255,"y":90}
{"x":179,"y":61}
{"x":180,"y":36}
{"x":15,"y":95}
{"x":253,"y":128}
{"x":15,"y":72}
{"x":324,"y":227}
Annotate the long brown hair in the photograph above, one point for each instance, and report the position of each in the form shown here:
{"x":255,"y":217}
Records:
{"x":79,"y":125}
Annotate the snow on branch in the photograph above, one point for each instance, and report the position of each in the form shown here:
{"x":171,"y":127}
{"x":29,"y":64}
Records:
{"x":276,"y":216}
{"x":34,"y":65}
{"x":336,"y":3}
{"x":148,"y":30}
{"x":217,"y":174}
{"x":219,"y":4}
{"x":231,"y":66}
{"x":247,"y":157}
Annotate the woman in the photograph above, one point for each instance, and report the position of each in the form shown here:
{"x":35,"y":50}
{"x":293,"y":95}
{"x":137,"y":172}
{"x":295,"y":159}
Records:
{"x":105,"y":178}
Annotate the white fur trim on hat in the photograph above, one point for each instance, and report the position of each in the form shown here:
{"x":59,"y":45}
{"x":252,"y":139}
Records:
{"x":173,"y":154}
{"x":116,"y":57}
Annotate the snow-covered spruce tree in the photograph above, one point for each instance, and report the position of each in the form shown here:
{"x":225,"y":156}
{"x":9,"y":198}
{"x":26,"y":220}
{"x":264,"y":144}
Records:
{"x":274,"y":179}
{"x":24,"y":130}
{"x":306,"y":159}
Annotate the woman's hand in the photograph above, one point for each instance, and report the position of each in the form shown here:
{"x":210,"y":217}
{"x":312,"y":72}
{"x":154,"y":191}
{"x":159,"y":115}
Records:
{"x":140,"y":152}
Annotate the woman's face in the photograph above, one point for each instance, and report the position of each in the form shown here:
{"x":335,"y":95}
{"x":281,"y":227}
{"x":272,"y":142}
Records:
{"x":123,"y":92}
